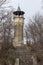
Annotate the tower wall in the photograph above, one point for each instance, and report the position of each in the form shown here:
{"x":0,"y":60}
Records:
{"x":18,"y":30}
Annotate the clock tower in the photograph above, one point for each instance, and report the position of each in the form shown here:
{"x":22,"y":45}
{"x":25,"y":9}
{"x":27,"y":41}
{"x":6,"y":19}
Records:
{"x":18,"y":27}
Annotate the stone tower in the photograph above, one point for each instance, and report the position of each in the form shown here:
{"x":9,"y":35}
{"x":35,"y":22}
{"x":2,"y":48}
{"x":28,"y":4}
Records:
{"x":18,"y":27}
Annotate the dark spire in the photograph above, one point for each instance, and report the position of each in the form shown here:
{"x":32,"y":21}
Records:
{"x":18,"y":8}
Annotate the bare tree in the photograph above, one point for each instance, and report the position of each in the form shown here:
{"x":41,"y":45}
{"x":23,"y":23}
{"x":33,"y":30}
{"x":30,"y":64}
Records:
{"x":6,"y":28}
{"x":34,"y":30}
{"x":2,"y":2}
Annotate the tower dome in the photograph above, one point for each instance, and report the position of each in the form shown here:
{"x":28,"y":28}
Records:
{"x":18,"y":12}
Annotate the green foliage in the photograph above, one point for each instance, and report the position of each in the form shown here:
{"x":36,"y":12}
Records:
{"x":5,"y":57}
{"x":1,"y":60}
{"x":11,"y":58}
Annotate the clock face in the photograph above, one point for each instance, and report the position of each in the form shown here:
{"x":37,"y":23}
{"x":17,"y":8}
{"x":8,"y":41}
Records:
{"x":1,"y":1}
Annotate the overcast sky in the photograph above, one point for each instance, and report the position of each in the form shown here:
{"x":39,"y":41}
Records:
{"x":30,"y":7}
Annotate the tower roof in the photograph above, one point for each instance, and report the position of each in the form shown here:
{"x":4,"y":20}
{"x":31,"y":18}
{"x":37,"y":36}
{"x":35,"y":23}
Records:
{"x":18,"y":12}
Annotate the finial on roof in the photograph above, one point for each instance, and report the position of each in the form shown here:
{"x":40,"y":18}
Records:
{"x":18,"y":8}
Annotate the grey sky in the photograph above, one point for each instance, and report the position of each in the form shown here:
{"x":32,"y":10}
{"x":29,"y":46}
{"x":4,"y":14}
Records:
{"x":29,"y":6}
